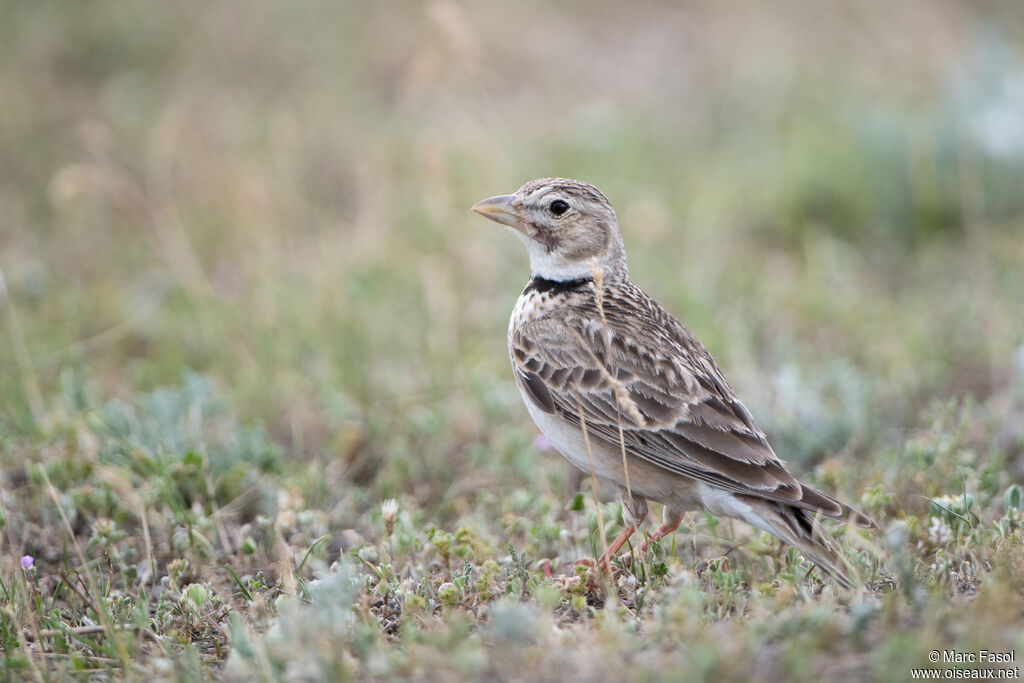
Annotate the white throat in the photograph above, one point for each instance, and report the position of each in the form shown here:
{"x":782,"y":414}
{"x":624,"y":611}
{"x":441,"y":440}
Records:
{"x":552,"y":267}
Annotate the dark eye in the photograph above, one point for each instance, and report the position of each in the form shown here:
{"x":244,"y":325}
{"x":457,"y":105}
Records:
{"x":559,"y":206}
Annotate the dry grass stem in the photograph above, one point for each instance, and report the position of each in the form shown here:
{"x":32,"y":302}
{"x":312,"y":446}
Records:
{"x":597,"y":285}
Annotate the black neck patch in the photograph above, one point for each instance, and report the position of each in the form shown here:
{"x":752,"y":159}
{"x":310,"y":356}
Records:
{"x":540,"y":284}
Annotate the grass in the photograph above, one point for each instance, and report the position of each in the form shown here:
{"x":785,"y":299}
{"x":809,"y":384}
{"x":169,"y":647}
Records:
{"x":256,"y":419}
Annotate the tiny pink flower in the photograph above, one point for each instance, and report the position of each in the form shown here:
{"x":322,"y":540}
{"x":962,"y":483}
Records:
{"x":541,"y":443}
{"x":27,"y":561}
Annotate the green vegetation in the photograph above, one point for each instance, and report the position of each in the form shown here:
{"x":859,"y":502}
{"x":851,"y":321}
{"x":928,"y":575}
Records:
{"x":256,"y":419}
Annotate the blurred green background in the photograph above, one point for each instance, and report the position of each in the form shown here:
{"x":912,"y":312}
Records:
{"x":275,"y":197}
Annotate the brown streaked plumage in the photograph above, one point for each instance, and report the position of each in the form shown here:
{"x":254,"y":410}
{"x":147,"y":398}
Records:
{"x":600,"y":352}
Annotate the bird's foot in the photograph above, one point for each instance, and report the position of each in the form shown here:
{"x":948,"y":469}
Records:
{"x":603,"y":564}
{"x":603,"y":561}
{"x":626,"y":559}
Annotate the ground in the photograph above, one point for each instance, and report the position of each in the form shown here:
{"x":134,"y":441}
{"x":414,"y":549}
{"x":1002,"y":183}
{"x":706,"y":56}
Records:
{"x":256,"y":415}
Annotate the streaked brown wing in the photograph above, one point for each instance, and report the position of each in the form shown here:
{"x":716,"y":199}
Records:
{"x":677,"y":411}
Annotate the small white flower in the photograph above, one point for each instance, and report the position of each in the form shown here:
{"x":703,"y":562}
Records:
{"x":389,"y":512}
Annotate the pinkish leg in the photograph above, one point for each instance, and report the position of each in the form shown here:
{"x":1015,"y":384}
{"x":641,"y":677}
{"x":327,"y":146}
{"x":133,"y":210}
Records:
{"x":619,"y":541}
{"x":672,"y":522}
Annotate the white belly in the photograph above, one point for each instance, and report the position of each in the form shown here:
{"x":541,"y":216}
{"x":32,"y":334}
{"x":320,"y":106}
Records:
{"x":649,"y":481}
{"x":568,"y":440}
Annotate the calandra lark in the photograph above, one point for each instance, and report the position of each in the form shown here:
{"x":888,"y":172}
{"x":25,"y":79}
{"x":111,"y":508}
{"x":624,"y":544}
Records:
{"x":623,"y":390}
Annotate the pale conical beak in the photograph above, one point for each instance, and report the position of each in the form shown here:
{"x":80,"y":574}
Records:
{"x":498,"y":209}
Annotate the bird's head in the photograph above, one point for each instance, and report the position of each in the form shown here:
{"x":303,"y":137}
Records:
{"x":565,"y":225}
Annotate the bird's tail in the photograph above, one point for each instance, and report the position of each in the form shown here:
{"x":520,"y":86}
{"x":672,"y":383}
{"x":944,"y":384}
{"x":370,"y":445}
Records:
{"x":798,"y":528}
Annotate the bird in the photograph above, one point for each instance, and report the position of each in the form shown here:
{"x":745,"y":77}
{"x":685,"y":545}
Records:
{"x":625,"y":392}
